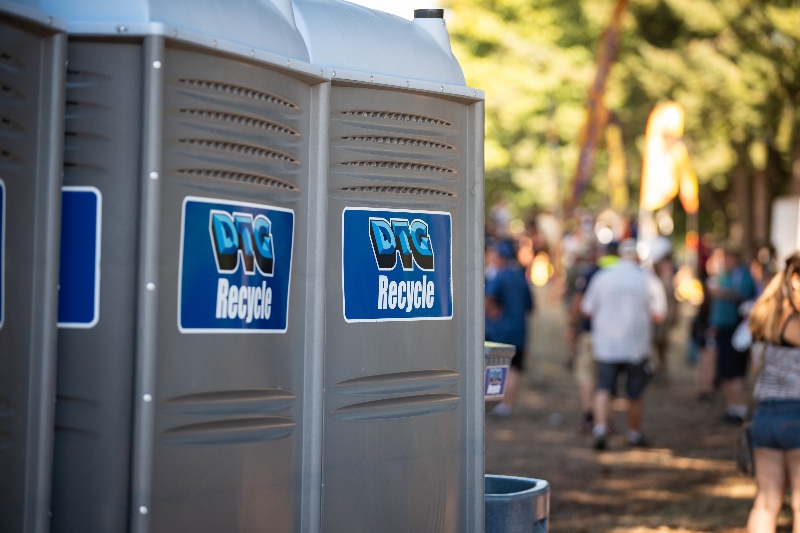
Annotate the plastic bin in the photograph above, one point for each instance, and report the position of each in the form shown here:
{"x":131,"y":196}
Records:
{"x":516,"y":504}
{"x":32,"y":54}
{"x":496,"y":360}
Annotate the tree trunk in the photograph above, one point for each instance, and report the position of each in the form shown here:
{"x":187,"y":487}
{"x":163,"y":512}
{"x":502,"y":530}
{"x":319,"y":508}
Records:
{"x":761,"y":210}
{"x":741,"y":187}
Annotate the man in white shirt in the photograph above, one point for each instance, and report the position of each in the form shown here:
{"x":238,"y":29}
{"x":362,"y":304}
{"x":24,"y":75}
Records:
{"x":623,"y":301}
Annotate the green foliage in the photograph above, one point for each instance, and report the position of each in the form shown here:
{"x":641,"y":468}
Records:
{"x":733,"y":64}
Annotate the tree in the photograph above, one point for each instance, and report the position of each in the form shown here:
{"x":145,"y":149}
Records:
{"x":733,"y":64}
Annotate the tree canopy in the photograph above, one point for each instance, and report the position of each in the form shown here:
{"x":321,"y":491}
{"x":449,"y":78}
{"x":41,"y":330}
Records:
{"x":733,"y":64}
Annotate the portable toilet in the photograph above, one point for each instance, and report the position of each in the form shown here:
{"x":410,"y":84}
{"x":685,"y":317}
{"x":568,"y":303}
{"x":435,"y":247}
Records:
{"x":403,"y":369}
{"x":190,"y":148}
{"x":32,"y":55}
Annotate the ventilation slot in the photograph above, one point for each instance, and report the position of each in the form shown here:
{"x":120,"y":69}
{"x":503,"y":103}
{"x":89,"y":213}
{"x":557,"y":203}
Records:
{"x":401,"y":190}
{"x":241,"y":177}
{"x":241,"y":149}
{"x":400,"y":141}
{"x":237,"y":90}
{"x":8,"y":125}
{"x":405,"y":117}
{"x":240,"y":120}
{"x":9,"y":62}
{"x":8,"y":92}
{"x":393,"y":165}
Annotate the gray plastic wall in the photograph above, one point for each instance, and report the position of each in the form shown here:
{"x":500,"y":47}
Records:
{"x":182,"y":430}
{"x":164,"y":427}
{"x":32,"y":54}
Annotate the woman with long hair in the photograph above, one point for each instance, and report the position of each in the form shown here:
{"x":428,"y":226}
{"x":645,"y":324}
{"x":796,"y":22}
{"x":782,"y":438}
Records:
{"x":775,"y":426}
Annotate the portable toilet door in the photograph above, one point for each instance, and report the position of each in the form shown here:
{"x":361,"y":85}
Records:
{"x":403,"y":401}
{"x":181,"y":384}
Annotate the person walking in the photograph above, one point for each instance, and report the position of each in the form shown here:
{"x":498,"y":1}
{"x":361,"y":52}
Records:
{"x":508,"y":301}
{"x":623,"y":301}
{"x":579,"y":331}
{"x":732,"y":286}
{"x":775,"y":426}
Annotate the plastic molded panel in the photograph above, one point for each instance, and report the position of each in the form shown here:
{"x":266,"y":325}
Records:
{"x":400,"y":464}
{"x":260,"y":24}
{"x":218,"y":445}
{"x":31,"y":116}
{"x":341,"y":35}
{"x":91,"y":475}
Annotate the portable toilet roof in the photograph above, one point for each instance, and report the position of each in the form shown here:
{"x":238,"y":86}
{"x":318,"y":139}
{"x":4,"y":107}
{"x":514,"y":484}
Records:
{"x":261,"y":29}
{"x":365,"y":45}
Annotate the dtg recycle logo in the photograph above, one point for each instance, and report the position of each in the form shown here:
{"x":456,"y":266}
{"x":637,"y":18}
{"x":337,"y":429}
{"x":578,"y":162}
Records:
{"x":240,"y":236}
{"x":235,"y":267}
{"x":396,"y":265}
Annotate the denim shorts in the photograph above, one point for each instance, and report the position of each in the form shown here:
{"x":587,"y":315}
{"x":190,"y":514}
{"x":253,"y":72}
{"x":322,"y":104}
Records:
{"x":776,"y":424}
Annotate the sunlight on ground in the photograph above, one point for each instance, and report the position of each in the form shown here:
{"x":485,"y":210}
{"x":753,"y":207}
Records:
{"x":662,"y":458}
{"x":662,"y":529}
{"x":504,"y":435}
{"x":731,"y":487}
{"x":594,"y":498}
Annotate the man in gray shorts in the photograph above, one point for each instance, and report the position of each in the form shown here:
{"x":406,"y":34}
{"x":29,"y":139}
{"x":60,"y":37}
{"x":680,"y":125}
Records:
{"x":623,"y":301}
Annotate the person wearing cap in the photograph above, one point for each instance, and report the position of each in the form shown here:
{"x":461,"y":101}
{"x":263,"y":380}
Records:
{"x":624,"y":301}
{"x":508,"y":301}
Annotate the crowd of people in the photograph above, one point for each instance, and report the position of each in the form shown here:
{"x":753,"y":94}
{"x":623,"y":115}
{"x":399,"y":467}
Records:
{"x":620,"y":311}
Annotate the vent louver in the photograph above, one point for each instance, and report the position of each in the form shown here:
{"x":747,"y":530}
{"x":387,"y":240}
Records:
{"x":422,"y":191}
{"x":241,"y":177}
{"x":238,"y":90}
{"x":400,"y":141}
{"x":241,"y":149}
{"x":405,"y":117}
{"x":400,"y":165}
{"x":240,"y":120}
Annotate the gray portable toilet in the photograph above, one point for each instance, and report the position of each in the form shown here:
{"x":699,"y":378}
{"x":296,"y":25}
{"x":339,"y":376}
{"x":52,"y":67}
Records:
{"x":403,"y":375}
{"x":32,"y":55}
{"x":190,"y":146}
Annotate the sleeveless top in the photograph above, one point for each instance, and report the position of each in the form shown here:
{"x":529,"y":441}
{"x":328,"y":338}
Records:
{"x":780,"y":376}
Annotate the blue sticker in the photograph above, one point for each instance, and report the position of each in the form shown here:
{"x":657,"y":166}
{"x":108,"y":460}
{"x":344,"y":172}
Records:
{"x":235,"y":267}
{"x":2,"y":252}
{"x":494,"y":381}
{"x":79,"y":271}
{"x":396,"y":265}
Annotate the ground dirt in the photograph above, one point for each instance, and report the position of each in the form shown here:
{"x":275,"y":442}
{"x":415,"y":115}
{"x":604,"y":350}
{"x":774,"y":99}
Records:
{"x":684,"y":481}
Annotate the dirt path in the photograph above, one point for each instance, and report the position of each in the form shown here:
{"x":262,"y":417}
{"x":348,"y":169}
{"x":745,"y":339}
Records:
{"x":685,"y":481}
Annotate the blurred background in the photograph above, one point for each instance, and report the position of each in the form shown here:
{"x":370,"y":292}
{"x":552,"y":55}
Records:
{"x":732,"y":65}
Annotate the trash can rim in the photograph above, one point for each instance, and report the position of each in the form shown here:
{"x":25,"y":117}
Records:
{"x":540,"y":485}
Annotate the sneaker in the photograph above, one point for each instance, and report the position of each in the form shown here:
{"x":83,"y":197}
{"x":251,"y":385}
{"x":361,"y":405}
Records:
{"x":502,"y":410}
{"x":638,"y":441}
{"x":705,"y":397}
{"x":587,"y":423}
{"x":600,"y":442}
{"x":735,"y":420}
